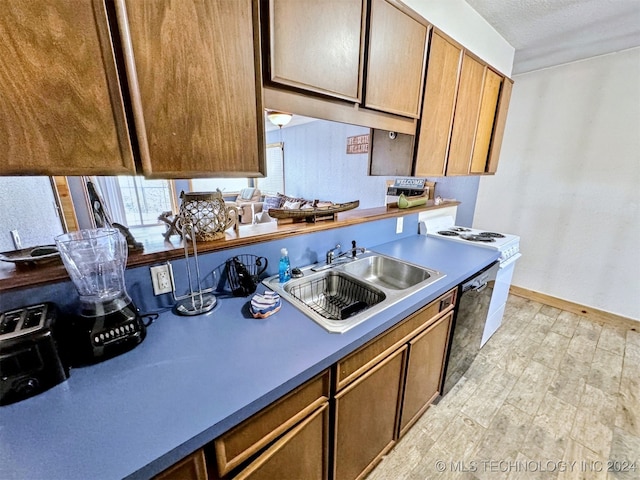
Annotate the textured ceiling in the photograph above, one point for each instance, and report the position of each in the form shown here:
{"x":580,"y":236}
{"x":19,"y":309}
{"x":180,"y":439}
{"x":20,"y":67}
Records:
{"x":552,"y":32}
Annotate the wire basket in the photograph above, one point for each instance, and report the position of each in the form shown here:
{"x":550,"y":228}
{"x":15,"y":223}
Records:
{"x":243,"y":273}
{"x":336,"y":297}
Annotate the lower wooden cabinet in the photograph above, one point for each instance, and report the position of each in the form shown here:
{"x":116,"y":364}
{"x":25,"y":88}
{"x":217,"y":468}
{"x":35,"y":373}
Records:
{"x":425,"y":366}
{"x":192,"y":467}
{"x":366,"y":417}
{"x":257,"y":435}
{"x":385,"y":386}
{"x":299,"y":454}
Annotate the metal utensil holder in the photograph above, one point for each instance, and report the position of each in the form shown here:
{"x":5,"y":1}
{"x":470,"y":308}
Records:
{"x":197,"y":301}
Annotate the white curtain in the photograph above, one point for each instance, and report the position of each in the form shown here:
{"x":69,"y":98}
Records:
{"x":109,"y":190}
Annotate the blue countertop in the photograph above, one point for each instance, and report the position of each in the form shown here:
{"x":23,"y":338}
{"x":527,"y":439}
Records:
{"x":193,"y":378}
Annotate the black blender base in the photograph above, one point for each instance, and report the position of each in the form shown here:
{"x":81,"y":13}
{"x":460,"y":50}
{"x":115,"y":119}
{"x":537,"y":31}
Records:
{"x":95,"y":339}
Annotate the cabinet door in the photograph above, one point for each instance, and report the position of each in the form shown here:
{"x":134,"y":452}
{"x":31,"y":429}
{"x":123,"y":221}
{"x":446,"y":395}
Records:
{"x":439,"y":104}
{"x":366,"y":417}
{"x":486,"y":120}
{"x":60,"y":102}
{"x":498,"y":129}
{"x":192,"y":467}
{"x":194,"y":76}
{"x":300,"y":454}
{"x":254,"y":434}
{"x":427,"y":353}
{"x":466,"y":116}
{"x":396,"y":59}
{"x":317,"y":45}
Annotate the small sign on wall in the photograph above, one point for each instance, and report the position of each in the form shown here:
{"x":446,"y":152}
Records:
{"x":358,"y":144}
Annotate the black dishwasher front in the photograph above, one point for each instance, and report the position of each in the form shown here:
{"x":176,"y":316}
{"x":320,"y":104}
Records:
{"x":473,"y":307}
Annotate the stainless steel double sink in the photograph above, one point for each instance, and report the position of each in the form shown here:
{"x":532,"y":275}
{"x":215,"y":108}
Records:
{"x":348,"y":292}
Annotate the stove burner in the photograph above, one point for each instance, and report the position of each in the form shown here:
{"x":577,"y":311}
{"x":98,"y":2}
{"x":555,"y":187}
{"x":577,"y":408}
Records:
{"x":448,"y":233}
{"x":478,"y":238}
{"x":460,"y":229}
{"x":491,"y":235}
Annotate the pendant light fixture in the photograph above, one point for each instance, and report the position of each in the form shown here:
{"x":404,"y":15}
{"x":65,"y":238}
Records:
{"x":279,"y":119}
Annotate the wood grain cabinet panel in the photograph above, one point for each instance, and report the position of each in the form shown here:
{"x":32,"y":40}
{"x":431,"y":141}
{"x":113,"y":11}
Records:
{"x":61,"y":107}
{"x":486,"y":118}
{"x":424,"y":370}
{"x":317,"y":45}
{"x":192,"y":467}
{"x":465,"y":120}
{"x":498,"y":129}
{"x":440,"y":93}
{"x":240,"y":443}
{"x":463,"y":115}
{"x":366,"y":415}
{"x":396,"y":59}
{"x":194,"y":76}
{"x":301,"y":453}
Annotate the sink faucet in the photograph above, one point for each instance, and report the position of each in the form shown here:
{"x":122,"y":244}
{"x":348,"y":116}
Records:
{"x":353,"y":250}
{"x":331,"y":254}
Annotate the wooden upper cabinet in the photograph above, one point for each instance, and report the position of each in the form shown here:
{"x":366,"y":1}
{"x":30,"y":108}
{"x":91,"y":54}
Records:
{"x":396,"y":59}
{"x":466,"y":116}
{"x":498,"y":128}
{"x":441,"y":88}
{"x":194,"y":79}
{"x":463,"y":115}
{"x":61,"y":109}
{"x":486,"y":119}
{"x":489,"y":125}
{"x":317,"y":45}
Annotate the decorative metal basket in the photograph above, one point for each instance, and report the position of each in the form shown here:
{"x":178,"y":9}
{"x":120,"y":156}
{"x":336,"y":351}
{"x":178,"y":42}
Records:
{"x":208,"y":214}
{"x":243,"y":273}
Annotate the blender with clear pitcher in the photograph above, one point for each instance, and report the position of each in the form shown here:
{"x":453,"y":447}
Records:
{"x":108,"y":323}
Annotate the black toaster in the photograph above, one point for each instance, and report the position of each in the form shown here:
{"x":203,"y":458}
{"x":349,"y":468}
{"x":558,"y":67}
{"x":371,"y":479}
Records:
{"x":30,"y":361}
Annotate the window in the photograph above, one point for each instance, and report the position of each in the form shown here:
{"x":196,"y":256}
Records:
{"x":274,"y":181}
{"x":143,"y":200}
{"x":224,"y":184}
{"x":135,"y":201}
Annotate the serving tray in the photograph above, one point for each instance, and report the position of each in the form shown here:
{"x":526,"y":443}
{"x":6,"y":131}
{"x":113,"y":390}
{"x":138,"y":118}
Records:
{"x":32,"y":256}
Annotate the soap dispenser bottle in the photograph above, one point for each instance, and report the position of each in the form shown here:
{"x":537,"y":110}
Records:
{"x":284,"y":267}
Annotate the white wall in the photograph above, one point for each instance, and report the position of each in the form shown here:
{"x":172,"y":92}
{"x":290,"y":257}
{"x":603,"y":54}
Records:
{"x":317,"y":166}
{"x":568,"y":182}
{"x":27,"y":205}
{"x":462,"y":23}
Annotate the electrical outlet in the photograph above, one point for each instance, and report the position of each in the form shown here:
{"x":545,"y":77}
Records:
{"x":399,"y":224}
{"x":15,"y":236}
{"x":161,"y":279}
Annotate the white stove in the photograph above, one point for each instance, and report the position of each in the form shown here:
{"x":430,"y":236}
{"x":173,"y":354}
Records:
{"x":443,"y":227}
{"x":507,"y":244}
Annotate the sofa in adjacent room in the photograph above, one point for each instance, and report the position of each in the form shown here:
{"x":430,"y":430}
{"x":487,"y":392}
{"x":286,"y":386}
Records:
{"x":248,"y":202}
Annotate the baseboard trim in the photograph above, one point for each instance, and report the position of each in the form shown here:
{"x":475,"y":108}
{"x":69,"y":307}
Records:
{"x":589,"y":312}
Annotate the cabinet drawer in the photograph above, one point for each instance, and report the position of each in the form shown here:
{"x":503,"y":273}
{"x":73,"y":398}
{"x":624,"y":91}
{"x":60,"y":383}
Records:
{"x":239,"y":443}
{"x":301,"y":453}
{"x":359,"y":361}
{"x":192,"y":467}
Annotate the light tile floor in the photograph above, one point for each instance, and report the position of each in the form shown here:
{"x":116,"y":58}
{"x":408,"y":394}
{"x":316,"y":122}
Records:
{"x":551,"y":395}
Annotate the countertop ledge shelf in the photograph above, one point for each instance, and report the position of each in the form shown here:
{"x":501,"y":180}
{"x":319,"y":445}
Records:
{"x":12,"y":277}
